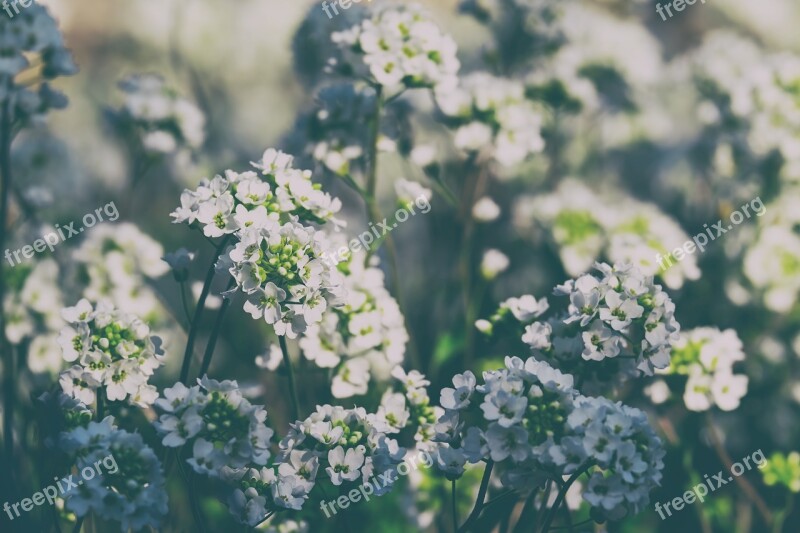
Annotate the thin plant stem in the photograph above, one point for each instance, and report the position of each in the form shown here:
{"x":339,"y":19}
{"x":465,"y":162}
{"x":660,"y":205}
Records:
{"x":198,"y":311}
{"x":290,"y":375}
{"x":6,"y":136}
{"x":79,"y":524}
{"x":744,"y":485}
{"x":374,"y":215}
{"x":562,"y":493}
{"x":194,"y":504}
{"x":372,"y":177}
{"x":185,"y":303}
{"x":455,"y":511}
{"x":100,"y":405}
{"x":529,"y":511}
{"x":476,"y":511}
{"x":212,"y":341}
{"x":780,"y":516}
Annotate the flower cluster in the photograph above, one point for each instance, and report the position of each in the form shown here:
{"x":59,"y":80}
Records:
{"x":492,"y":111}
{"x":132,"y":491}
{"x":707,"y":357}
{"x":344,"y":443}
{"x":286,"y":281}
{"x":240,"y":201}
{"x":114,"y":352}
{"x":31,"y":304}
{"x":587,"y":226}
{"x":117,"y":259}
{"x":618,"y":440}
{"x":408,"y":409}
{"x":528,"y":417}
{"x":277,"y":261}
{"x":783,"y":469}
{"x":399,"y":48}
{"x":364,"y":337}
{"x":162,"y":121}
{"x":261,"y":491}
{"x":224,"y":429}
{"x":621,"y":313}
{"x":771,"y":263}
{"x":747,"y":101}
{"x":28,"y":39}
{"x":616,"y":314}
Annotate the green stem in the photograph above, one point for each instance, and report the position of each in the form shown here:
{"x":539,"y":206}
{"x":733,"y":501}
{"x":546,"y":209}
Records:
{"x":185,"y":303}
{"x":375,"y":131}
{"x":455,"y":511}
{"x":562,"y":493}
{"x":79,"y":524}
{"x":6,"y":137}
{"x":212,"y":342}
{"x":198,"y":311}
{"x":476,"y":511}
{"x":290,"y":375}
{"x":780,"y":516}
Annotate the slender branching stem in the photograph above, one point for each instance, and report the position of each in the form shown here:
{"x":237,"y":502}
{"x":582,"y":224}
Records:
{"x":290,"y":376}
{"x":198,"y":311}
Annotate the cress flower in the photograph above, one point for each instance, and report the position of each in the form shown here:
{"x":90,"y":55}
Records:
{"x":615,"y":314}
{"x":398,"y":48}
{"x":347,"y":446}
{"x":273,"y":193}
{"x":163,"y":121}
{"x":112,"y":351}
{"x":487,"y":110}
{"x":117,"y":259}
{"x":363,"y":339}
{"x":222,"y":427}
{"x":131,"y":490}
{"x":282,"y":273}
{"x":586,"y":226}
{"x":529,"y":420}
{"x":32,"y":303}
{"x":707,"y":357}
{"x":408,"y":409}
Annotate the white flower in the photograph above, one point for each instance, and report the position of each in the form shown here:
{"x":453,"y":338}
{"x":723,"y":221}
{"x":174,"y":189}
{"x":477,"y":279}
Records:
{"x":459,"y":397}
{"x":485,"y":210}
{"x":506,"y":408}
{"x":450,"y":461}
{"x":494,"y":262}
{"x":271,"y":360}
{"x":409,"y":191}
{"x":265,"y":303}
{"x":344,"y":466}
{"x":728,"y":390}
{"x":620,"y":311}
{"x":507,"y":441}
{"x":352,"y":380}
